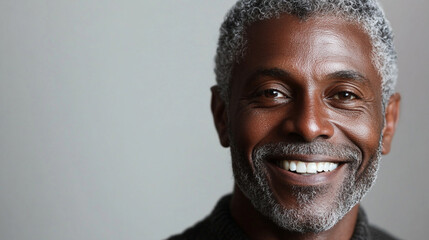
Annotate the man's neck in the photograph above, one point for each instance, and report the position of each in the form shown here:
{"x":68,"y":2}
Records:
{"x":256,"y":226}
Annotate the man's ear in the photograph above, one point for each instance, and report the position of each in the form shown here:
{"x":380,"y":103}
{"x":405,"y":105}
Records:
{"x":391,"y":116}
{"x":220,"y":116}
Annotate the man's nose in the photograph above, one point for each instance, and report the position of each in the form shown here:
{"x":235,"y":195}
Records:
{"x":308,"y":121}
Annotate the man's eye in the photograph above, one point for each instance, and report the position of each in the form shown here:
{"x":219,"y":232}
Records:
{"x":272,"y":93}
{"x":345,"y":96}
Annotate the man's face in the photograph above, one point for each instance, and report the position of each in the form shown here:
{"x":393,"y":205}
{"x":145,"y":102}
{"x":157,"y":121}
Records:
{"x":305,"y":99}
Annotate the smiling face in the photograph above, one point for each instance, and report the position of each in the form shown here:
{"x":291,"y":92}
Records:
{"x":305,"y":120}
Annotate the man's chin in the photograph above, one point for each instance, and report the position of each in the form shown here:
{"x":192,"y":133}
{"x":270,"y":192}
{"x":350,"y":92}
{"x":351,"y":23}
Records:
{"x":309,"y":209}
{"x":310,"y":213}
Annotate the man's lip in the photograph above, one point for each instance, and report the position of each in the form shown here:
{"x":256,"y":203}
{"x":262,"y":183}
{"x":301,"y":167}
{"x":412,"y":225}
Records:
{"x":309,"y":158}
{"x":295,"y":179}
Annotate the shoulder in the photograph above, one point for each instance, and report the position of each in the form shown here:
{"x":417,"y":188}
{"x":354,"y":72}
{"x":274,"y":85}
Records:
{"x":364,"y":230}
{"x":379,"y":234}
{"x":200,"y":230}
{"x":218,"y":225}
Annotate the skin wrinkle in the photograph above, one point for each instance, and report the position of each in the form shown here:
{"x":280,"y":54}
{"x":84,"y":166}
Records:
{"x":348,"y":77}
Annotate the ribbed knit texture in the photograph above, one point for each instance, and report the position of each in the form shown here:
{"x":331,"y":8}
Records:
{"x":220,"y":225}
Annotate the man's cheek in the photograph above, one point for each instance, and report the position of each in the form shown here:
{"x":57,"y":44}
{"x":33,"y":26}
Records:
{"x":366,"y":135}
{"x":250,"y":128}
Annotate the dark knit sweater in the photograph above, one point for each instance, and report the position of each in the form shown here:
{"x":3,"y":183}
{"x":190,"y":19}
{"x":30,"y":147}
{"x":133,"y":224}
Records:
{"x":220,"y":225}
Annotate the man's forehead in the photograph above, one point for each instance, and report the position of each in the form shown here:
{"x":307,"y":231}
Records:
{"x":308,"y":27}
{"x":324,"y":45}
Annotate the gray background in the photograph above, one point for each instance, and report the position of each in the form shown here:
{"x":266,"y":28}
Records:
{"x":105,"y":128}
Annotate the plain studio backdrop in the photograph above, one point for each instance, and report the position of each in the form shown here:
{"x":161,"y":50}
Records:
{"x":106,"y":132}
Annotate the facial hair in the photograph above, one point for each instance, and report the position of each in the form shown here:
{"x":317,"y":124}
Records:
{"x":309,"y":216}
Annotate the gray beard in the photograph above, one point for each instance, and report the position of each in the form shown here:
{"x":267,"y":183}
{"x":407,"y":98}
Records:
{"x":310,"y":216}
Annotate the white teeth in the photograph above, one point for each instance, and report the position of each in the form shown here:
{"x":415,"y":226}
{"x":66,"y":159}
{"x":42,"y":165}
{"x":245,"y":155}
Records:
{"x":311,"y":167}
{"x":332,"y":166}
{"x":300,"y":167}
{"x":286,"y":164}
{"x":320,"y":166}
{"x":326,"y":166}
{"x":292,"y":166}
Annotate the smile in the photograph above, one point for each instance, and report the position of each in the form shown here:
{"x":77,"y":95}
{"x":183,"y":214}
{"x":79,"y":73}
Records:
{"x":306,"y":167}
{"x":306,"y":170}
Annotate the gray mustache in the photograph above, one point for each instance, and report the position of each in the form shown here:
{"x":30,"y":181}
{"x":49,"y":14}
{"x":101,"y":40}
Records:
{"x":277,"y":150}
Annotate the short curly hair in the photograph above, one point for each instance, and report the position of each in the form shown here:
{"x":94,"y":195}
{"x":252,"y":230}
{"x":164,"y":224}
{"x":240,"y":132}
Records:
{"x":367,"y":13}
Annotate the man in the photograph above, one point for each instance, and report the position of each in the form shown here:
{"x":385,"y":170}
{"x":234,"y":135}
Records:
{"x":305,"y":100}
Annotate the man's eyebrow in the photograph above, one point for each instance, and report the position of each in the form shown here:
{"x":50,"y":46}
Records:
{"x":270,"y":72}
{"x":348,"y":75}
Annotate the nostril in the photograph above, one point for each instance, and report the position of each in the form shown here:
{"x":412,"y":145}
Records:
{"x":308,"y":129}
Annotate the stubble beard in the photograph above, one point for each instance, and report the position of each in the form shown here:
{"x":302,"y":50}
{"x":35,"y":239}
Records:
{"x":310,"y":215}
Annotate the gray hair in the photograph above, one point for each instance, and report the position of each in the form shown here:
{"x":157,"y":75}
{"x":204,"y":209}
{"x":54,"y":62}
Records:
{"x":367,"y":13}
